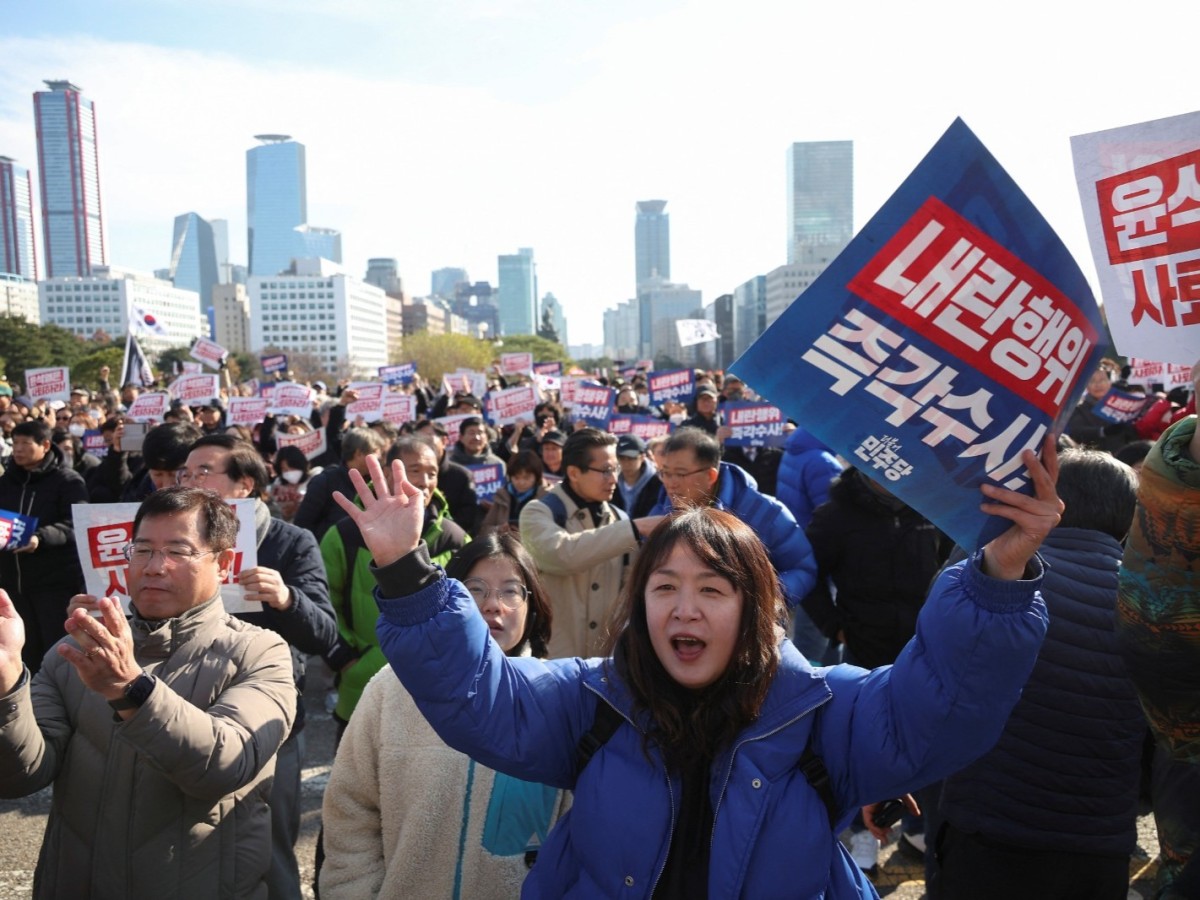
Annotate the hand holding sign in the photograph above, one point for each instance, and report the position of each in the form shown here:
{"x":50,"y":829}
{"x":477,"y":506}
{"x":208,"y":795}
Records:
{"x":1033,"y":517}
{"x":263,"y":585}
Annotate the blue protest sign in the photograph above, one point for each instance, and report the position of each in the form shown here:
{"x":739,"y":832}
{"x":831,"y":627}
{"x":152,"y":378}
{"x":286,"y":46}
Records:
{"x":93,"y":443}
{"x":754,"y":425}
{"x":1121,"y":407}
{"x":16,"y":529}
{"x":673,"y":384}
{"x":949,"y":336}
{"x":593,"y":405}
{"x":398,"y":374}
{"x":488,"y":478}
{"x":645,"y":427}
{"x":276,"y":362}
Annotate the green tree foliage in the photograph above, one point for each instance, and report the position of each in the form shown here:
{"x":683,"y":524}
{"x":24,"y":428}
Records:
{"x":24,"y":345}
{"x":543,"y":350}
{"x":437,"y":354}
{"x":86,"y":372}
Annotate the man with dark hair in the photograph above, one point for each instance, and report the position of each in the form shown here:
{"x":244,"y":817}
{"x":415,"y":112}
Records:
{"x":639,"y":486}
{"x":158,"y":734}
{"x":132,"y":477}
{"x":473,"y":447}
{"x":289,"y":581}
{"x":693,"y":475}
{"x":41,"y":576}
{"x":454,"y":481}
{"x":582,"y":544}
{"x":318,"y":512}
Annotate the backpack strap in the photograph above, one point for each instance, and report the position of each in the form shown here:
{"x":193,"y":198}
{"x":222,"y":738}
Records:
{"x":813,"y":768}
{"x":606,"y":721}
{"x":352,"y":542}
{"x":557,"y":508}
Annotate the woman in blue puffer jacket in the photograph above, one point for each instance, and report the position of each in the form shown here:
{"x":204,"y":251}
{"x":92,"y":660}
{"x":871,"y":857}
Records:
{"x":697,"y":792}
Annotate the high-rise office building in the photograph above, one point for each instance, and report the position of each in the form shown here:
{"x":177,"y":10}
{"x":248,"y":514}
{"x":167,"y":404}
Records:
{"x":622,"y":331}
{"x":445,"y":282}
{"x":69,"y":170}
{"x":384,"y":273}
{"x":518,"y":293}
{"x":820,"y":199}
{"x":660,"y":304}
{"x":276,"y":202}
{"x":17,"y":256}
{"x":749,"y":313}
{"x":220,"y":230}
{"x":194,"y":258}
{"x":652,"y":241}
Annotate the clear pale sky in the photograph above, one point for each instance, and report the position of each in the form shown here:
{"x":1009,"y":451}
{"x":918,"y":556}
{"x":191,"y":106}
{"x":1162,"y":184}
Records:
{"x":445,"y":133}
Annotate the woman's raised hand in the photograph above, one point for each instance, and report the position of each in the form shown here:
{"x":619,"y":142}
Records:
{"x":1033,"y":517}
{"x":391,"y":518}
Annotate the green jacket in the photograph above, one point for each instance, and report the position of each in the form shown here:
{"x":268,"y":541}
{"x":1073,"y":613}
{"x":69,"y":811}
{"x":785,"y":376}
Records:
{"x":352,"y":593}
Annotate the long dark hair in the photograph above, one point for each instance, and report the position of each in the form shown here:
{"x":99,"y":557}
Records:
{"x":688,"y":725}
{"x":508,"y":546}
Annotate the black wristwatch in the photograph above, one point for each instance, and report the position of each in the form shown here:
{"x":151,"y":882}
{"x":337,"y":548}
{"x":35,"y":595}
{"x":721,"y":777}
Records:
{"x":136,"y":693}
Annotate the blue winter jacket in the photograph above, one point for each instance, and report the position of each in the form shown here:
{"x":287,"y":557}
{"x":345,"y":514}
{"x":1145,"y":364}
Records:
{"x":790,"y":552}
{"x":805,"y":473}
{"x":880,"y":734}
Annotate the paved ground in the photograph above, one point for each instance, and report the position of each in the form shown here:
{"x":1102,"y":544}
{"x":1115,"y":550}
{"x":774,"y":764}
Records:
{"x":900,"y":877}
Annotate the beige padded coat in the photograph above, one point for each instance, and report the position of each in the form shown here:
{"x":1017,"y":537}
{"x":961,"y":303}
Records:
{"x":582,"y":567}
{"x":173,"y":801}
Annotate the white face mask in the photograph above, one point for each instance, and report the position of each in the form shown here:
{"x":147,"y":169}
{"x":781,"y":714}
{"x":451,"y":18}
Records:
{"x":77,"y":430}
{"x":97,"y":414}
{"x":292,"y":476}
{"x":677,"y":418}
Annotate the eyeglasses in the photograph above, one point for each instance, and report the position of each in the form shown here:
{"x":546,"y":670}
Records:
{"x":607,"y":471}
{"x":510,"y":595}
{"x":172,"y":556}
{"x":676,"y":476}
{"x":187,"y":476}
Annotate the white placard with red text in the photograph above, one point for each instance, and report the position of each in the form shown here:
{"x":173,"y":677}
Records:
{"x":103,"y":529}
{"x":311,"y":443}
{"x":196,"y":390}
{"x":291,"y":399}
{"x":51,"y":383}
{"x":516,"y":363}
{"x":370,"y":396}
{"x":507,"y":406}
{"x":398,"y":408}
{"x":149,"y":407}
{"x":1140,"y":191}
{"x":248,"y":411}
{"x":208,"y":352}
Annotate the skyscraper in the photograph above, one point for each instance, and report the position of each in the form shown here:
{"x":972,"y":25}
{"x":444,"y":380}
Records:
{"x":444,"y":282}
{"x":518,"y":293}
{"x":276,"y":202}
{"x":194,"y":257}
{"x":652,"y":241}
{"x":17,"y":255}
{"x":820,"y":199}
{"x":69,"y":169}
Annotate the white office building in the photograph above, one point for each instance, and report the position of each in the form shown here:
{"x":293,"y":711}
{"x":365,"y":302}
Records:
{"x":105,"y":301}
{"x":19,"y":297}
{"x":317,"y":308}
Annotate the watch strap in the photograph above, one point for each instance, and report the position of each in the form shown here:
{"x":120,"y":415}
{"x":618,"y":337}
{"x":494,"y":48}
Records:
{"x":136,"y":693}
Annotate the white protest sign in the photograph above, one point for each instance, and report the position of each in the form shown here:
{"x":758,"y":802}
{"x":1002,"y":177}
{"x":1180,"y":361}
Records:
{"x":149,"y":407}
{"x":512,"y":404}
{"x":516,"y":363}
{"x":208,"y":352}
{"x":452,"y":424}
{"x":370,"y":395}
{"x":248,"y":411}
{"x":102,"y":530}
{"x":192,"y":368}
{"x":51,"y":383}
{"x":196,"y":390}
{"x":291,"y":399}
{"x":398,"y":408}
{"x":311,"y":443}
{"x":1141,"y":205}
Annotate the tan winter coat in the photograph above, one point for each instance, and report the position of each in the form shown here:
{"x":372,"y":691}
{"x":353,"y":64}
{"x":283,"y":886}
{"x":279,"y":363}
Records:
{"x":583,"y":569}
{"x":172,"y":802}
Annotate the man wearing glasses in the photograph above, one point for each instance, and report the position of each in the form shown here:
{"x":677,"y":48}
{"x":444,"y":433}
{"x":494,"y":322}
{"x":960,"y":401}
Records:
{"x":159,"y":734}
{"x":582,"y":544}
{"x":693,"y":475}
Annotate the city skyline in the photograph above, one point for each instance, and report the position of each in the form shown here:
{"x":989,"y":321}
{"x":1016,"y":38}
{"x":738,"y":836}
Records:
{"x":482,"y":151}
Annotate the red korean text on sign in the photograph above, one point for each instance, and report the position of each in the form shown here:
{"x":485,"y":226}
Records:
{"x":106,"y":543}
{"x":953,"y":284}
{"x":1152,"y":211}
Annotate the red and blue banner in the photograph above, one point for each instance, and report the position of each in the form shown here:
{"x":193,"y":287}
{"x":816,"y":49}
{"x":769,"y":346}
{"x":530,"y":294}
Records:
{"x":487,"y":478}
{"x":1121,"y":407}
{"x":16,"y":529}
{"x":673,"y":384}
{"x":951,"y":334}
{"x":754,"y":425}
{"x":645,"y":427}
{"x":593,"y":405}
{"x":276,"y":362}
{"x":398,"y":374}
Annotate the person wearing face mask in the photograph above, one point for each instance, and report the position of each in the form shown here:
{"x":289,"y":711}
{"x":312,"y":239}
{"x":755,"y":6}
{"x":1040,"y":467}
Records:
{"x":74,"y":456}
{"x":628,"y":404}
{"x":288,"y":488}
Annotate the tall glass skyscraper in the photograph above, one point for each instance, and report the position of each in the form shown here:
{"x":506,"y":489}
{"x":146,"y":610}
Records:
{"x":820,"y":197}
{"x":194,"y":257}
{"x":518,"y":293}
{"x":276,"y":202}
{"x":17,"y":256}
{"x":652,"y":241}
{"x":69,"y":167}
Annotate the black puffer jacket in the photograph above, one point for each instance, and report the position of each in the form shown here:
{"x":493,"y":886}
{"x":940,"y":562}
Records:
{"x":48,"y":493}
{"x":1064,"y":774}
{"x":881,"y":555}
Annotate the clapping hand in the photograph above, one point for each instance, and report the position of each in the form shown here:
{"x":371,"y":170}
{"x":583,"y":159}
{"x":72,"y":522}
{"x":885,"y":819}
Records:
{"x":1033,"y":517}
{"x":12,"y":640}
{"x":391,"y":519}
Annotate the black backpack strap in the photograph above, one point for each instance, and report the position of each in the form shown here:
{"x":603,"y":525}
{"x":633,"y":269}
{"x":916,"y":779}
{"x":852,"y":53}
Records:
{"x":607,"y":720}
{"x":352,"y":542}
{"x":814,"y":771}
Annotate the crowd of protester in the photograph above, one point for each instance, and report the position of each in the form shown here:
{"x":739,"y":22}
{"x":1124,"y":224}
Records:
{"x":561,"y":564}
